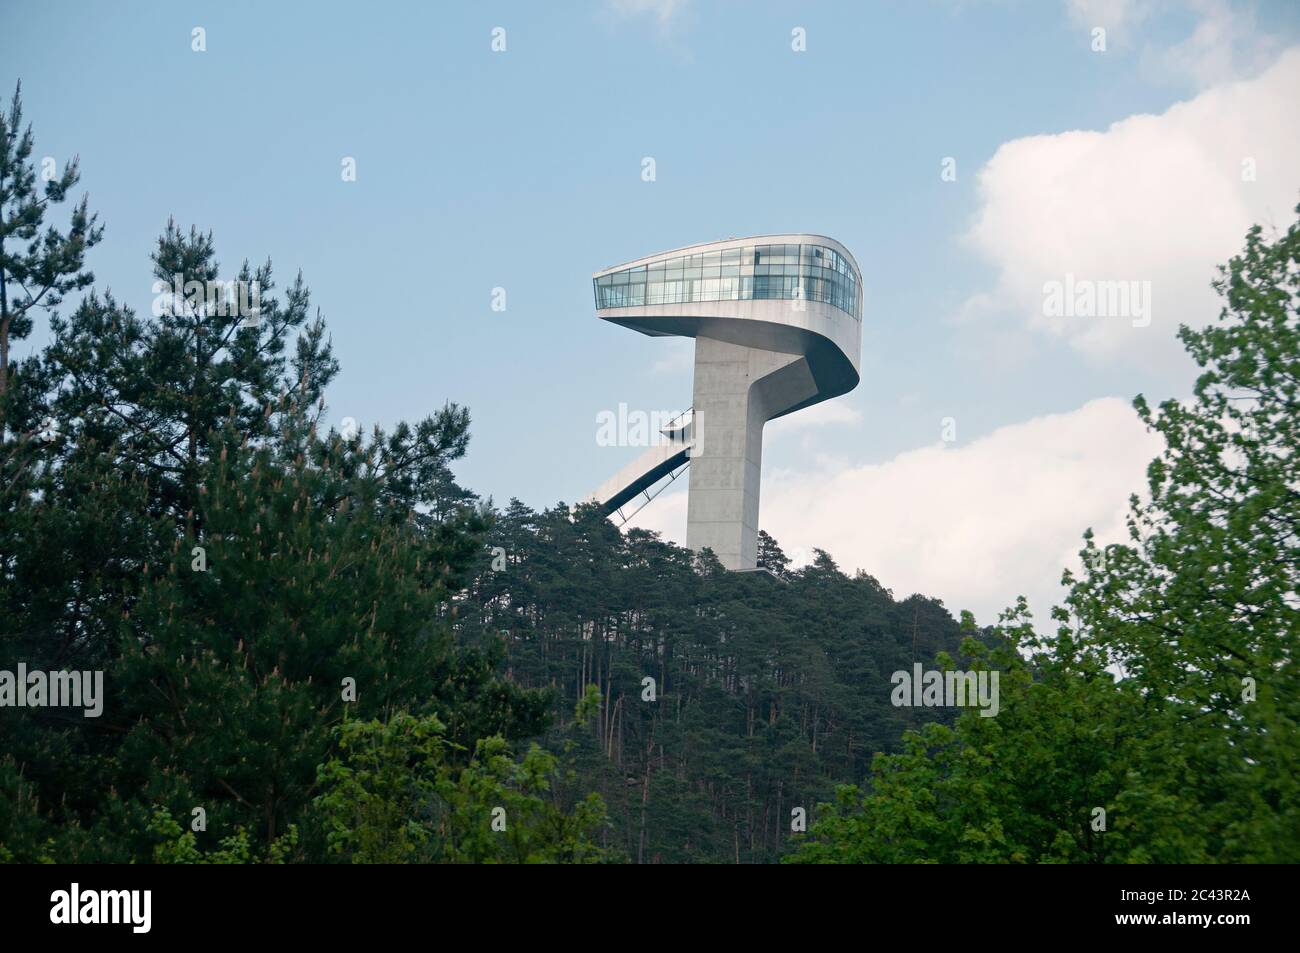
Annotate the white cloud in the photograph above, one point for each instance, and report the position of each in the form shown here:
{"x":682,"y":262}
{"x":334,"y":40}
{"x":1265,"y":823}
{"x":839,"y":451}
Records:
{"x":972,"y":524}
{"x":1153,"y":198}
{"x":1224,"y":44}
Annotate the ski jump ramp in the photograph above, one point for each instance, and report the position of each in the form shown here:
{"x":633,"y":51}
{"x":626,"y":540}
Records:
{"x":777,"y":322}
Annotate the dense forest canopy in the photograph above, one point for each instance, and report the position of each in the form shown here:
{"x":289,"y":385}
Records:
{"x":727,"y":699}
{"x":317,"y":646}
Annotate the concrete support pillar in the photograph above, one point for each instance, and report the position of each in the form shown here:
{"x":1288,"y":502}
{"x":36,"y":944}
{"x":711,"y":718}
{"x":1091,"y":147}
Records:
{"x":737,"y":390}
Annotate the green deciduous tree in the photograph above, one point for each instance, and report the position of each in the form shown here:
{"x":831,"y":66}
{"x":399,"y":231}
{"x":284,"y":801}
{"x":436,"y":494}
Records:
{"x":391,"y":795}
{"x":1167,"y":696}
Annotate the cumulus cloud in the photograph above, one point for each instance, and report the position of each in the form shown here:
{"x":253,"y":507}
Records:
{"x":1158,"y":199}
{"x":972,"y":524}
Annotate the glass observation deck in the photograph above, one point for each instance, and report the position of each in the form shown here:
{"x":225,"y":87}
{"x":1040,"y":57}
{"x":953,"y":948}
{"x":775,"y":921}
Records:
{"x":812,"y":272}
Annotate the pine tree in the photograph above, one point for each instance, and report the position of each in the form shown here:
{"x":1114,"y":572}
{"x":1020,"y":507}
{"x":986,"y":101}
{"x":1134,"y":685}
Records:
{"x":37,"y":268}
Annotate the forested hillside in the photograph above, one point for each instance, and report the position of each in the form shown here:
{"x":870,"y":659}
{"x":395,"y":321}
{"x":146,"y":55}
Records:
{"x":769,"y":687}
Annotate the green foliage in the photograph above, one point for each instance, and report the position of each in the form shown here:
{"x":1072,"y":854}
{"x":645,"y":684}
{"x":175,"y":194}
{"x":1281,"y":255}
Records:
{"x":1192,"y":750}
{"x":177,"y":847}
{"x":1022,"y":786}
{"x":1203,"y":602}
{"x":391,"y":796}
{"x":376,"y":784}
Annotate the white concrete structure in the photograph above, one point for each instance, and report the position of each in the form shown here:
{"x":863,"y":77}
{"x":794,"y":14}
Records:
{"x":777,"y":322}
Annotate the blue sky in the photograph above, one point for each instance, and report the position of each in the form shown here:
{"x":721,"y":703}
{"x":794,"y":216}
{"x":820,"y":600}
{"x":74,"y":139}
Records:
{"x":522,"y":169}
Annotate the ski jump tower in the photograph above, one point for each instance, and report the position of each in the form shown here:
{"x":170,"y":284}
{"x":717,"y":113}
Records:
{"x":777,"y":322}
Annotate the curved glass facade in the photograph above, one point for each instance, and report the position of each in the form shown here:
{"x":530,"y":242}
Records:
{"x":814,"y":272}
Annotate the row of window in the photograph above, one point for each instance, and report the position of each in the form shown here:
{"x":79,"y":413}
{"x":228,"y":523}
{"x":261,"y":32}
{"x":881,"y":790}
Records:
{"x":811,"y":272}
{"x":756,"y":287}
